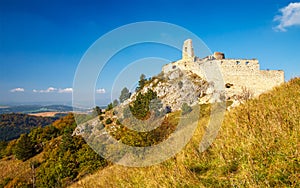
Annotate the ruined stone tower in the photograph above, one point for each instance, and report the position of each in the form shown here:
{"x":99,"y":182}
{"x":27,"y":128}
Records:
{"x":188,"y":50}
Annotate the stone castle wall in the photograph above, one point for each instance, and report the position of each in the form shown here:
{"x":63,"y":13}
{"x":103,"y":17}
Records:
{"x":237,"y":74}
{"x":244,"y":73}
{"x":239,"y":66}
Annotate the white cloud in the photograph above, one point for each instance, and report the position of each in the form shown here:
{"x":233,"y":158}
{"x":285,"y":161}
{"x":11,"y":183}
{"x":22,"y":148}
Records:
{"x":290,"y":16}
{"x":49,"y":90}
{"x":100,"y":91}
{"x":18,"y":89}
{"x":54,"y":90}
{"x":66,"y":90}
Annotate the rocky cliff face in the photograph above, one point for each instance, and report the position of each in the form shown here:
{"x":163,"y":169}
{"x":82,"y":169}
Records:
{"x":178,"y":86}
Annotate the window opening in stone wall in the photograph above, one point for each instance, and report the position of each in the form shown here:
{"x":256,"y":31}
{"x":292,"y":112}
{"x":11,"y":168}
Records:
{"x":228,"y":85}
{"x":238,"y":62}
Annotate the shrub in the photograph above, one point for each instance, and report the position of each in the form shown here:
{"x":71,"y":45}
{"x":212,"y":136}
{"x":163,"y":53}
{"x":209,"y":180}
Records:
{"x":180,"y":84}
{"x":185,"y":108}
{"x":115,"y":112}
{"x":108,"y":121}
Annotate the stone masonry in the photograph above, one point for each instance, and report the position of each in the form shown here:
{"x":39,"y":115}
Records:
{"x":239,"y":75}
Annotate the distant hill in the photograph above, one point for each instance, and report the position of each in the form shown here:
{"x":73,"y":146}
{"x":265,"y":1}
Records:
{"x":28,"y":109}
{"x":13,"y":125}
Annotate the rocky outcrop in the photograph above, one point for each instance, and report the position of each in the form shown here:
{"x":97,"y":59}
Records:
{"x":178,"y":86}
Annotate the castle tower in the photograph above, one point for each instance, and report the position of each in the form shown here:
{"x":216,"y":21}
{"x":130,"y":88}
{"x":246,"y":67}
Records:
{"x":188,"y":50}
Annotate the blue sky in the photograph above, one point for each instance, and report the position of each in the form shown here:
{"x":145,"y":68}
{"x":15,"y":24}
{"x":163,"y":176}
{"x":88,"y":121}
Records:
{"x":42,"y":42}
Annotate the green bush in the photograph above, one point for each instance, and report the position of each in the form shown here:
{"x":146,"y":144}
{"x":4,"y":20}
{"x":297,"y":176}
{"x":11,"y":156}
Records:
{"x":186,"y":108}
{"x":108,"y":121}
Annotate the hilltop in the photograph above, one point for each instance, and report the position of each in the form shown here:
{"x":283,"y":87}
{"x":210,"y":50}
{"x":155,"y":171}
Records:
{"x":257,"y":145}
{"x":169,"y":102}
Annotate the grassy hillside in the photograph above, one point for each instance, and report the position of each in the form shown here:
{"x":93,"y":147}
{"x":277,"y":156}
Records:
{"x":47,"y":157}
{"x":258,"y":145}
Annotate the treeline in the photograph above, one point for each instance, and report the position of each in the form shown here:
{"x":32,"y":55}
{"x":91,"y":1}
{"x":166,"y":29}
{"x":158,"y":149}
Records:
{"x":13,"y":125}
{"x":65,"y":158}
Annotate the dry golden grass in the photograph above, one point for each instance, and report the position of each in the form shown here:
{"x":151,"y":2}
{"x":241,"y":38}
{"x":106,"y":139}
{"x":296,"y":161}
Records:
{"x":257,"y":146}
{"x":17,"y":170}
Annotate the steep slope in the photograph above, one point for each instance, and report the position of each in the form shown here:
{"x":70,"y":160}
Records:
{"x":56,"y":160}
{"x":257,"y":146}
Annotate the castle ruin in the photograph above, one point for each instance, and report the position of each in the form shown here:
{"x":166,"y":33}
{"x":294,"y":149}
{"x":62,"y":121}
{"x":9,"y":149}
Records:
{"x":238,"y":74}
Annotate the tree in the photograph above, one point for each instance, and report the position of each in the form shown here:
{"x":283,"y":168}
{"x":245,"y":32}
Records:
{"x":89,"y":160}
{"x":97,"y":111}
{"x":24,"y":148}
{"x":115,"y":103}
{"x":125,"y":94}
{"x":185,"y":108}
{"x":3,"y":146}
{"x":109,"y":107}
{"x":142,"y":82}
{"x":140,"y":107}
